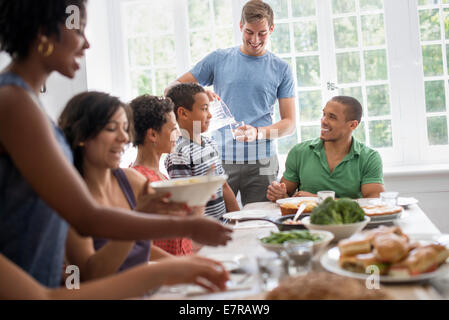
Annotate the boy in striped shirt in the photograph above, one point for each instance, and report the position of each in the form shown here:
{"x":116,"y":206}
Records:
{"x":195,"y":154}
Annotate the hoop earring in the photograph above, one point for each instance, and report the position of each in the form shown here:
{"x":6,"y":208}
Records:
{"x":50,"y":47}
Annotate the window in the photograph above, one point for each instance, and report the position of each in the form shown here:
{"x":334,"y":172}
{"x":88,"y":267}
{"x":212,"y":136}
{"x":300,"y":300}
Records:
{"x":393,"y":56}
{"x":434,"y":30}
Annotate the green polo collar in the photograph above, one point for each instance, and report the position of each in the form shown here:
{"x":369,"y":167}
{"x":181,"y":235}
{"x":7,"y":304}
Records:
{"x":317,"y":146}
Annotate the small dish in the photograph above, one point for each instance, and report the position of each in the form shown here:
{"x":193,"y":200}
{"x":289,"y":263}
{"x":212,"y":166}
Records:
{"x":340,"y":231}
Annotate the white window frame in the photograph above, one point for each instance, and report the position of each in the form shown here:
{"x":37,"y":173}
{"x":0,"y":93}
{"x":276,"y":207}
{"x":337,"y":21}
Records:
{"x":404,"y":61}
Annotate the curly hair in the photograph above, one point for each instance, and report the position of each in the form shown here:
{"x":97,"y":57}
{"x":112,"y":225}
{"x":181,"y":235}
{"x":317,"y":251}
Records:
{"x":22,"y":20}
{"x":149,"y":112}
{"x":183,"y":95}
{"x":85,"y":115}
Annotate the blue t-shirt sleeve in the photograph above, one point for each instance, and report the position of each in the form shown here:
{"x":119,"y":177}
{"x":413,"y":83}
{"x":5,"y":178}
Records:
{"x":203,"y":71}
{"x":287,"y":87}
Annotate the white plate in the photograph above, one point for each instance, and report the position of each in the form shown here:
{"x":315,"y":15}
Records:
{"x":296,"y":200}
{"x":231,"y":261}
{"x":237,"y":215}
{"x":405,"y":202}
{"x":329,"y":261}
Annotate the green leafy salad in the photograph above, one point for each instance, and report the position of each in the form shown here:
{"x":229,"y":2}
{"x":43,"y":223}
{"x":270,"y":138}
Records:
{"x":294,"y":235}
{"x":342,"y":211}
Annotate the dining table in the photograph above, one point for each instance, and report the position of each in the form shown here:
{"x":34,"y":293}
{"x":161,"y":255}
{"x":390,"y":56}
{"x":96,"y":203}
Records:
{"x":245,"y":245}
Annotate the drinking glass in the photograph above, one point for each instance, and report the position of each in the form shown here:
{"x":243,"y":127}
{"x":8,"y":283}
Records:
{"x":389,"y":198}
{"x":272,"y":270}
{"x":236,"y":132}
{"x":299,"y":255}
{"x":323,"y":195}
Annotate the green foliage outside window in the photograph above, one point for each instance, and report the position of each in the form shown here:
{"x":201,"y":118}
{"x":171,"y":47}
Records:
{"x":437,"y":130}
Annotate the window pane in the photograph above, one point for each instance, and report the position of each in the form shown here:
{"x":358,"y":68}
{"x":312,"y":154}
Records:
{"x":287,"y":143}
{"x":380,"y":133}
{"x":432,"y":60}
{"x":310,"y":106}
{"x":446,"y":22}
{"x":310,"y":132}
{"x":162,"y":19}
{"x":355,"y":92}
{"x":137,"y":21}
{"x":373,"y":30}
{"x":199,"y":13}
{"x":223,"y":13}
{"x":376,"y":65}
{"x":139,"y":51}
{"x":425,"y":2}
{"x":280,"y":39}
{"x":306,"y":36}
{"x":303,"y":8}
{"x":348,"y":67}
{"x":345,"y":32}
{"x":163,"y":78}
{"x":437,"y":130}
{"x":429,"y":21}
{"x":200,"y":44}
{"x":225,"y":38}
{"x":343,"y":6}
{"x":141,"y":83}
{"x":359,"y":133}
{"x":164,"y":50}
{"x":435,"y":96}
{"x":280,"y":8}
{"x":378,"y":100}
{"x":308,"y":71}
{"x":367,"y":5}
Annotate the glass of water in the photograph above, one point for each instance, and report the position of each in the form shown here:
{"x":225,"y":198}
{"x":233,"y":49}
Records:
{"x":299,"y":254}
{"x":237,"y":133}
{"x":323,"y":195}
{"x":272,"y":270}
{"x":389,"y":198}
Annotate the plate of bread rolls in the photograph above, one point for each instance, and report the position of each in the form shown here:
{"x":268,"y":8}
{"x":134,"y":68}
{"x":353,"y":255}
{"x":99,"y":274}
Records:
{"x":395,"y":256}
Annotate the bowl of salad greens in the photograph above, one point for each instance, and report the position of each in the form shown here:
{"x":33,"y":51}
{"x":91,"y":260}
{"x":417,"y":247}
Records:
{"x":275,"y":241}
{"x":343,"y":217}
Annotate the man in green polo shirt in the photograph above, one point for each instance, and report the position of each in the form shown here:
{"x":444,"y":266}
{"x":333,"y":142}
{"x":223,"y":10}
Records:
{"x":336,"y":161}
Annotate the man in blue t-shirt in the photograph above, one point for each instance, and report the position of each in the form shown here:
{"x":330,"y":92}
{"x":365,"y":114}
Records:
{"x":250,"y":79}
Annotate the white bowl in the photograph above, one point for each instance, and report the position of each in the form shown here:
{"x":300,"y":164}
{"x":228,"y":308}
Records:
{"x":340,"y":231}
{"x":318,"y":246}
{"x":194,"y":191}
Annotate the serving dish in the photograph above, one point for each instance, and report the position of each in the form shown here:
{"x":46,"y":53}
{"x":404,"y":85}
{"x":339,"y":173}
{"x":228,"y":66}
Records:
{"x":194,"y":191}
{"x":318,"y":245}
{"x":295,"y":200}
{"x":330,"y":261}
{"x":340,"y":231}
{"x":279,"y":222}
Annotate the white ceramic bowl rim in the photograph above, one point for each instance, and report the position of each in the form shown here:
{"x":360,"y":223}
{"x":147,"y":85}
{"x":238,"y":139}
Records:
{"x":196,"y":180}
{"x":306,"y":220}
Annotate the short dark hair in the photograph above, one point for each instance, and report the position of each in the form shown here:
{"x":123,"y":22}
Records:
{"x":149,"y":112}
{"x":256,"y":10}
{"x":85,"y":115}
{"x":354,"y":110}
{"x":22,"y":20}
{"x":183,"y":94}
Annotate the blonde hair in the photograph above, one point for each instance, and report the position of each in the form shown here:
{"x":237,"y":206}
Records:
{"x":256,"y":10}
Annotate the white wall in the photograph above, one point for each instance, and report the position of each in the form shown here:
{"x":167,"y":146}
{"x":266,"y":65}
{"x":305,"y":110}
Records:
{"x":430,"y":188}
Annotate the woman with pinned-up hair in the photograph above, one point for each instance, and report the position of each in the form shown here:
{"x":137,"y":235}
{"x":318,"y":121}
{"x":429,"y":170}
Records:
{"x":41,"y":193}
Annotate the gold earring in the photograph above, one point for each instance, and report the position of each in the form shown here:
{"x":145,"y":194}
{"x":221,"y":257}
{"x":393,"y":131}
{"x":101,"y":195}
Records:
{"x":81,"y":144}
{"x":50,"y":47}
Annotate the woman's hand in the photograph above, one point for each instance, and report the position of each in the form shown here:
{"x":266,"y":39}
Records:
{"x":150,"y":202}
{"x":204,"y":272}
{"x":207,"y":231}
